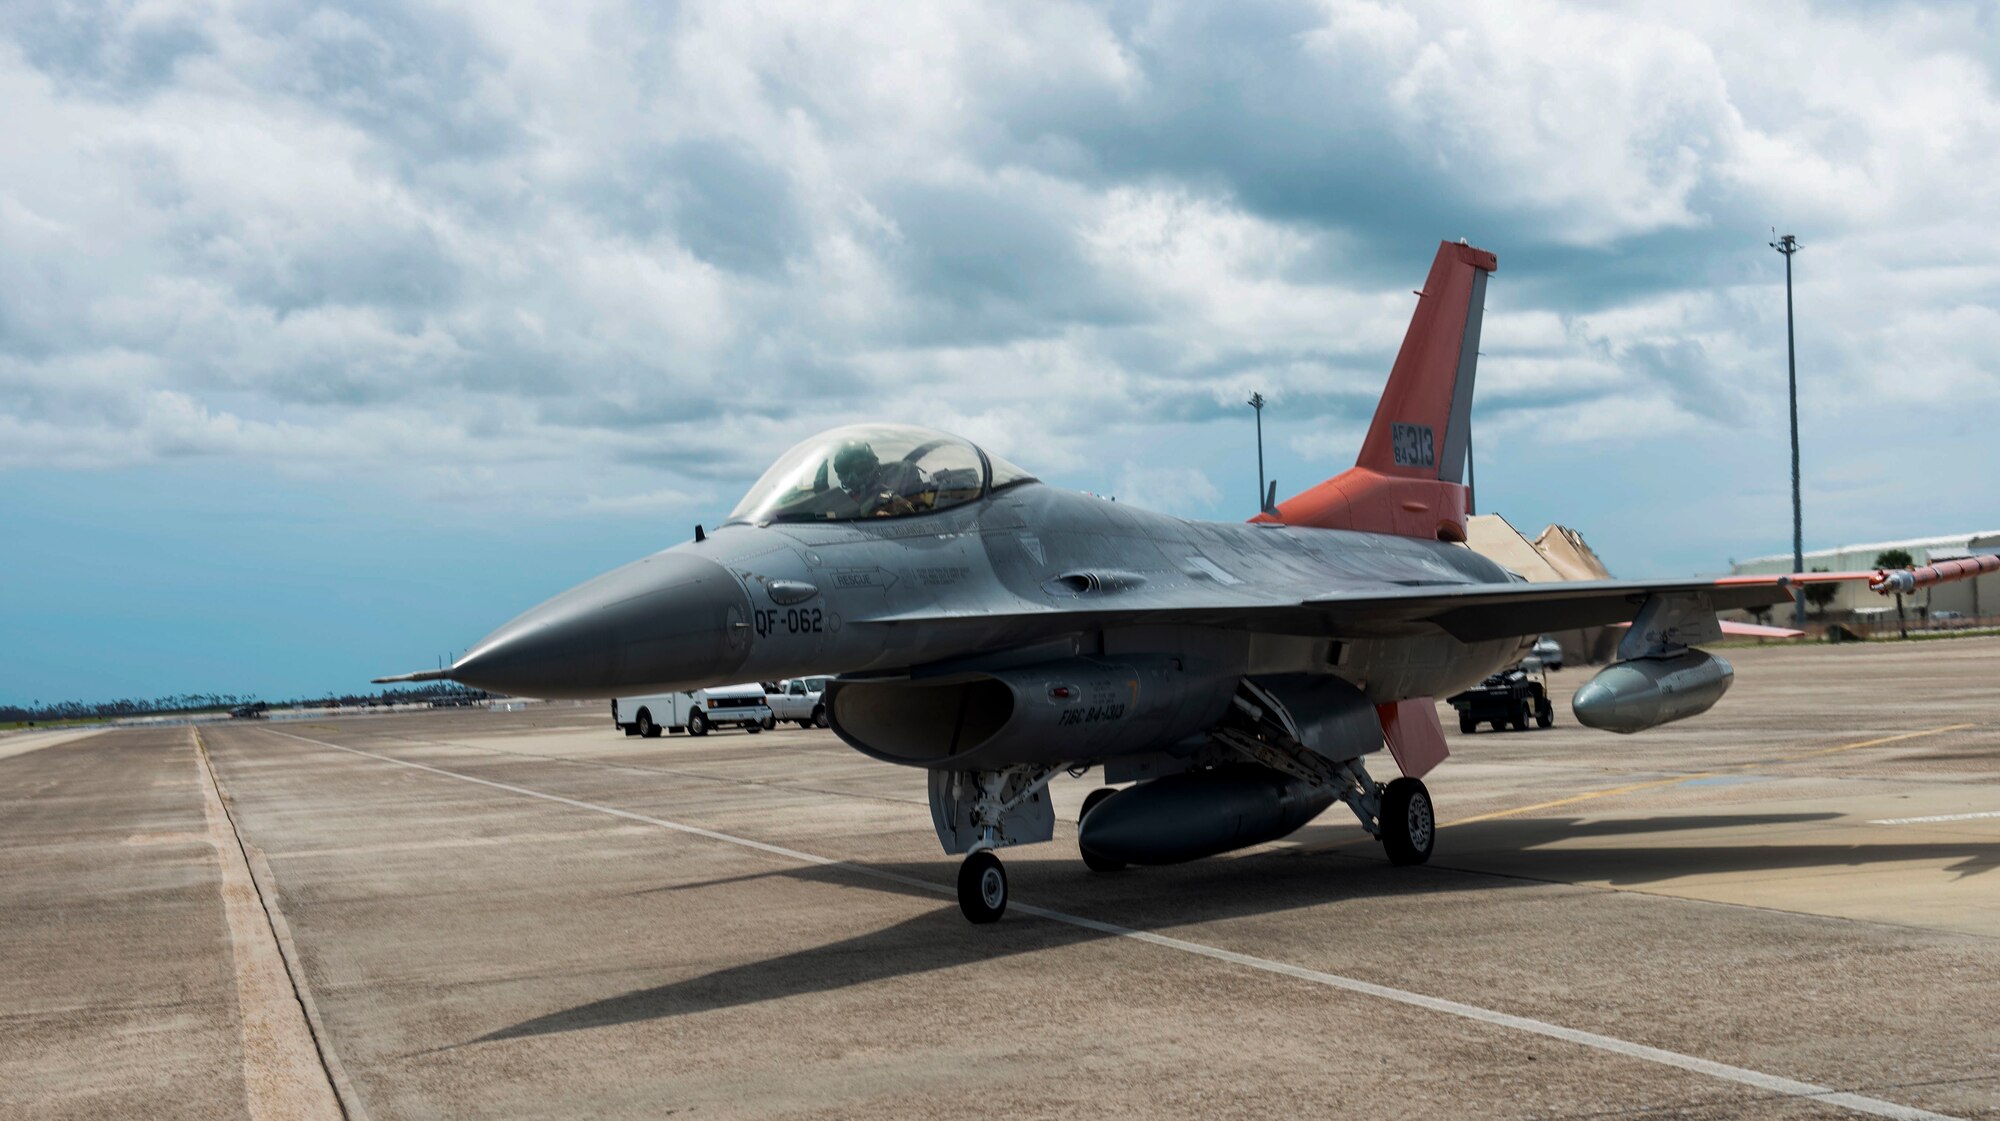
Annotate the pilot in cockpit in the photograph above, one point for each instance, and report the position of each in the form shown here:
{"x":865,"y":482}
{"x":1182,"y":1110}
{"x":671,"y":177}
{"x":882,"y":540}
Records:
{"x":877,"y":491}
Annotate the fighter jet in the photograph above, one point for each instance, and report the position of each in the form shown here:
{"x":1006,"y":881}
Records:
{"x":1231,"y":680}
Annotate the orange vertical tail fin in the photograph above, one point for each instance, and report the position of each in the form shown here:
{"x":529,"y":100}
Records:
{"x":1409,"y":478}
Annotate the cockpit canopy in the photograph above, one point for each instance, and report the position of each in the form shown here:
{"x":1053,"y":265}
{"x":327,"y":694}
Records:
{"x":873,"y":471}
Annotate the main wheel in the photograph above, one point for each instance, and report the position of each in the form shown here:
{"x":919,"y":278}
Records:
{"x":1091,"y":860}
{"x":1523,"y":712}
{"x":819,"y":717}
{"x":753,"y":729}
{"x":1545,"y":713}
{"x":1466,"y":723}
{"x":647,"y":728}
{"x":770,"y":722}
{"x":1409,"y":826}
{"x":982,"y":887}
{"x":697,"y":723}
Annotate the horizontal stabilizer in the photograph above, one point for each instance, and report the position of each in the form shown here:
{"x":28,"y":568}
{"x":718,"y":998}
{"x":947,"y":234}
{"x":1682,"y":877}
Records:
{"x":1759,"y":630}
{"x":420,"y":675}
{"x":1745,"y":630}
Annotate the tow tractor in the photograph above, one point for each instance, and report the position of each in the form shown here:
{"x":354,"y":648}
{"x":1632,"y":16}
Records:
{"x":1514,"y":696}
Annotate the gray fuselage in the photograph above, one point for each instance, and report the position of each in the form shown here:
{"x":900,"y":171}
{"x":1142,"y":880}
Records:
{"x":1025,"y":572}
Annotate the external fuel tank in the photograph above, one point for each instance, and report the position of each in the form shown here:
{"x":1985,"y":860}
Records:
{"x":1647,"y":692}
{"x":1200,"y":813}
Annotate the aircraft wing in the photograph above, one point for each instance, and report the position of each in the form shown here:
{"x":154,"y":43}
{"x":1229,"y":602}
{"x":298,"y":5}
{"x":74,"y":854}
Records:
{"x":1468,"y":612}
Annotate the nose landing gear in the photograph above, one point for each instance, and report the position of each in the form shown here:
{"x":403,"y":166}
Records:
{"x":978,"y":811}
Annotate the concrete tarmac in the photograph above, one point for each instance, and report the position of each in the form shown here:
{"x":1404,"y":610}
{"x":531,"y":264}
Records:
{"x":1786,"y":908}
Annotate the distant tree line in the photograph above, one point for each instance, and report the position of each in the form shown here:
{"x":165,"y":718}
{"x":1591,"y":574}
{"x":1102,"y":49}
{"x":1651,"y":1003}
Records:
{"x":183,"y":703}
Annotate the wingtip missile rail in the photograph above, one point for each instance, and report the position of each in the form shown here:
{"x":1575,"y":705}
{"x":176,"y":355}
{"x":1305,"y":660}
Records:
{"x":1904,"y":581}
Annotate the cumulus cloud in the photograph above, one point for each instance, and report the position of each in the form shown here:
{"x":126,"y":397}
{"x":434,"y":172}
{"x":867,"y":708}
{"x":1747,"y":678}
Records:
{"x":615,"y":257}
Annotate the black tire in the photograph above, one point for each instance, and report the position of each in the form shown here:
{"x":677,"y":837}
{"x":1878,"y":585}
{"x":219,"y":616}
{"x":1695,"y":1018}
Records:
{"x":1466,"y":724}
{"x":1523,"y":712}
{"x":1409,"y":825}
{"x":697,"y":723}
{"x":982,"y":887}
{"x":1545,"y":713}
{"x":646,"y":726}
{"x":819,"y":717}
{"x":753,"y":729}
{"x":770,"y":722}
{"x":1091,"y":860}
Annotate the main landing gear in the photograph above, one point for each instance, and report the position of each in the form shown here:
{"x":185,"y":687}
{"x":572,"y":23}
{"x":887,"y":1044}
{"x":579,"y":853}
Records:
{"x":1408,"y":826}
{"x":1399,"y":814}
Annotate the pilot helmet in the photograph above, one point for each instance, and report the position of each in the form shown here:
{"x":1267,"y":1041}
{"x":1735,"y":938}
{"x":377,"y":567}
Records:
{"x":855,"y":461}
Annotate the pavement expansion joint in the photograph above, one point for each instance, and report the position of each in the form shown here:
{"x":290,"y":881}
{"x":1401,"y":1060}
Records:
{"x":275,"y":1087}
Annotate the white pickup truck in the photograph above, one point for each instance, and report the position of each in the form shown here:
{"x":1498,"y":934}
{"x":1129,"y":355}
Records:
{"x":696,"y":713}
{"x":798,"y":699}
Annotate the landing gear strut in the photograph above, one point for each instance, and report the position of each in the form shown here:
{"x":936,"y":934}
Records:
{"x":1398,"y":814}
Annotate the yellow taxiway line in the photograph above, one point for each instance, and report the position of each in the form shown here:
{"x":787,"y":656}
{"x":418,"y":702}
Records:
{"x":1650,"y":784}
{"x":1738,"y":768}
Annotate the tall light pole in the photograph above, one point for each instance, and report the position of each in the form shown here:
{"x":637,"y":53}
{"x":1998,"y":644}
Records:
{"x":1257,"y":402}
{"x":1789,"y":245}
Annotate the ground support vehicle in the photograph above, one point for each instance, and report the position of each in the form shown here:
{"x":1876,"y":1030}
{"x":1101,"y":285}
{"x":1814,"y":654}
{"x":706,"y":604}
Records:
{"x":800,"y":700}
{"x":696,"y":713}
{"x":1512,"y":697}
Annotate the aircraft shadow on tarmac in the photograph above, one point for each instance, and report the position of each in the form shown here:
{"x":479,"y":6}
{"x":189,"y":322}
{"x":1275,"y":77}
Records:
{"x":1507,"y":854}
{"x":1520,"y":847}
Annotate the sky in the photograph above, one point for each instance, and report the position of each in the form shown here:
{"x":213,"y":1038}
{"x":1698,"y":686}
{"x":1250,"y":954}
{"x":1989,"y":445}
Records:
{"x":332,"y":336}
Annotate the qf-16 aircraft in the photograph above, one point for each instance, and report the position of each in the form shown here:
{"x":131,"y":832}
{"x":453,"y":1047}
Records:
{"x":1229,"y":678}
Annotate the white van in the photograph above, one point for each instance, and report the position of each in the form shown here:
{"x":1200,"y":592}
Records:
{"x":695,"y":713}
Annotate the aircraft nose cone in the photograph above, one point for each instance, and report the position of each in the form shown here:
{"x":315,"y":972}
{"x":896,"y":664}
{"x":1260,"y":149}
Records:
{"x":671,"y":621}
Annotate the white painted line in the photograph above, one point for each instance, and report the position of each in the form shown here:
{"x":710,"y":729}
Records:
{"x":23,"y":742}
{"x":1768,"y":1082}
{"x":1936,"y":817}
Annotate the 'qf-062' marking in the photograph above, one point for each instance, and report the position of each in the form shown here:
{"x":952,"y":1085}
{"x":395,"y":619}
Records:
{"x":797,"y":620}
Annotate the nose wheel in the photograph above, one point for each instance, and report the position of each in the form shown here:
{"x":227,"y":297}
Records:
{"x":982,"y":887}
